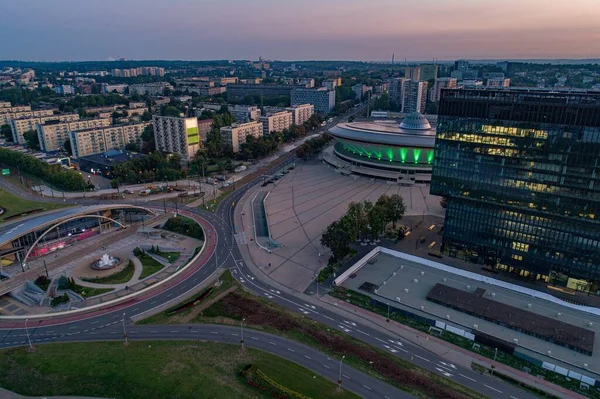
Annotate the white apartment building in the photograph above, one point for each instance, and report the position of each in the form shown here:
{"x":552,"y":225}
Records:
{"x":21,"y":125}
{"x":441,"y":83}
{"x":53,"y":135}
{"x":498,"y":82}
{"x":22,"y":111}
{"x":301,"y":113}
{"x":177,"y":135}
{"x":110,"y":88}
{"x":415,"y":97}
{"x":5,"y":104}
{"x":276,"y":122}
{"x":152,"y":89}
{"x":97,"y":140}
{"x":245,"y":113}
{"x":236,"y":134}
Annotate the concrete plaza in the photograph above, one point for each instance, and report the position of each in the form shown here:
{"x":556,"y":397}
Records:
{"x":405,"y":284}
{"x":302,"y":204}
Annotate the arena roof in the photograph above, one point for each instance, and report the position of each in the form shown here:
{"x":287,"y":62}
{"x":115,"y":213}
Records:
{"x":22,"y":227}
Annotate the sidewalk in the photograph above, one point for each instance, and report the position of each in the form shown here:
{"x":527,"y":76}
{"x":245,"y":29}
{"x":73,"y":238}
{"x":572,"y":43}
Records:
{"x":432,"y":344}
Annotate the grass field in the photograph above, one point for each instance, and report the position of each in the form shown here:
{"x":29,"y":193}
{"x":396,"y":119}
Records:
{"x":152,"y":369}
{"x":14,"y":205}
{"x":170,"y":256}
{"x":117,"y":278}
{"x":149,"y":265}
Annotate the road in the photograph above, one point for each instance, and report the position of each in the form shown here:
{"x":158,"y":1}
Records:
{"x":104,"y":324}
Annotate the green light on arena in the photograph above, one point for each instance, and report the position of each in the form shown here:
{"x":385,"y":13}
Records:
{"x":390,"y":154}
{"x":416,"y":154}
{"x":403,"y":154}
{"x":429,"y":156}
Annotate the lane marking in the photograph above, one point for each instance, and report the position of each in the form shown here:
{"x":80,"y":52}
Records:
{"x":235,"y":335}
{"x":173,"y":331}
{"x":492,"y":388}
{"x":366,"y":387}
{"x":308,"y":357}
{"x":95,"y":322}
{"x":345,"y":376}
{"x":214,"y":332}
{"x":193,"y":331}
{"x":291,"y":350}
{"x":362,"y":332}
{"x":472,"y":379}
{"x":421,"y":357}
{"x":272,"y":343}
{"x":153,"y":332}
{"x":326,"y":366}
{"x":254,"y":338}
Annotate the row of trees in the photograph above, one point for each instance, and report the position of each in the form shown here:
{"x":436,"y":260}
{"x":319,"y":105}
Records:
{"x":313,"y":145}
{"x":151,"y":167}
{"x":63,"y":179}
{"x":362,"y":220}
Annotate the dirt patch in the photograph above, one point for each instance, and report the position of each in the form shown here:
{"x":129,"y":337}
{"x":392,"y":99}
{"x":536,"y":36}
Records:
{"x":238,"y":306}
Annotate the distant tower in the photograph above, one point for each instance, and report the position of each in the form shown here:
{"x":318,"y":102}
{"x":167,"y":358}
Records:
{"x":393,"y":58}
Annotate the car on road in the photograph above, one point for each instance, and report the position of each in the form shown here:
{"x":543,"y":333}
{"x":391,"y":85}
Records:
{"x":128,"y":191}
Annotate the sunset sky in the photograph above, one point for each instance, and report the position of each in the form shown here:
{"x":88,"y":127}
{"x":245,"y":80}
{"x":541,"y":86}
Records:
{"x":54,"y":30}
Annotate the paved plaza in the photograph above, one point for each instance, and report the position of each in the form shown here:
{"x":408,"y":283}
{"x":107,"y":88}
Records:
{"x":405,"y":284}
{"x":302,"y":204}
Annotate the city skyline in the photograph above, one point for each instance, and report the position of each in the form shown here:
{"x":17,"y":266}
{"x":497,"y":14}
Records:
{"x":311,"y":30}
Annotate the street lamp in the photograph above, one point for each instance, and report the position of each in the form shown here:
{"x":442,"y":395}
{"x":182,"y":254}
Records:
{"x":124,"y":331}
{"x":27,"y":332}
{"x":340,"y":377}
{"x":388,"y":318}
{"x":242,"y":331}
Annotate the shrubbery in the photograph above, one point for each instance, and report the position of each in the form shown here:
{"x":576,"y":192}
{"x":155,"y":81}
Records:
{"x":185,"y":226}
{"x":256,"y":378}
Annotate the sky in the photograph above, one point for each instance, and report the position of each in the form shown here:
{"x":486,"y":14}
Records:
{"x":366,"y":30}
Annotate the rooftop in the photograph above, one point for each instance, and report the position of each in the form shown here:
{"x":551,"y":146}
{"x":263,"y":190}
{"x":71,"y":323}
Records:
{"x":111,"y":157}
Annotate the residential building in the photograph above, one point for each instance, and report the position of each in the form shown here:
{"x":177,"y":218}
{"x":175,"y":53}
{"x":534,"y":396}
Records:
{"x":244,"y":113}
{"x":471,"y":83}
{"x":396,"y":90}
{"x":361,"y":90}
{"x":64,"y":90}
{"x":415,"y":97}
{"x":428,"y":72}
{"x":177,"y":135}
{"x":461,"y":65}
{"x":237,"y":91}
{"x":114,"y":88}
{"x":5,"y":104}
{"x":519,"y":169}
{"x":97,"y":140}
{"x":152,"y":89}
{"x":301,"y":113}
{"x":137,"y":104}
{"x":235,"y":135}
{"x":54,"y":134}
{"x":276,"y":122}
{"x":21,"y":125}
{"x":413,"y":73}
{"x":322,"y":99}
{"x":308,"y":82}
{"x":498,"y":82}
{"x":204,"y":126}
{"x":441,"y":83}
{"x":331,"y":84}
{"x":228,"y":80}
{"x":22,"y":111}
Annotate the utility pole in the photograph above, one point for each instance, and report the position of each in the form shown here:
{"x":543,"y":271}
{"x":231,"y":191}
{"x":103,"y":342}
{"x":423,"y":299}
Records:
{"x":165,"y":205}
{"x":340,"y":377}
{"x":28,"y":338}
{"x":46,"y":267}
{"x":124,"y":330}
{"x":242,"y":331}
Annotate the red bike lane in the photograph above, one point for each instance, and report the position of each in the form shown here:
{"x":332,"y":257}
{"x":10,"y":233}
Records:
{"x":50,"y":320}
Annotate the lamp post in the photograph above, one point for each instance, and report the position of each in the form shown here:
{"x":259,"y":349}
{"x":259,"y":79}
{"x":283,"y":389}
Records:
{"x":28,"y":338}
{"x":388,"y":318}
{"x":242,"y":331}
{"x":124,"y":330}
{"x":340,"y":377}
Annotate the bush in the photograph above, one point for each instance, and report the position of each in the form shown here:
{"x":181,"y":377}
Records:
{"x":59,"y":300}
{"x":43,"y":282}
{"x":185,"y":226}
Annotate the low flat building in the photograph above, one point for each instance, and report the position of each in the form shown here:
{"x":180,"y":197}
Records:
{"x":103,"y":164}
{"x":235,"y":135}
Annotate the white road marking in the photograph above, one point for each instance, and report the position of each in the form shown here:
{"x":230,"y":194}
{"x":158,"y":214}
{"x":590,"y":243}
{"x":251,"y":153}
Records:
{"x":214,"y":332}
{"x":235,"y":335}
{"x":326,"y":366}
{"x":366,"y":387}
{"x":492,"y":388}
{"x":380,"y":340}
{"x":291,"y":350}
{"x":349,"y":322}
{"x":445,"y":373}
{"x":472,"y":379}
{"x":272,"y":343}
{"x":308,"y":357}
{"x":345,"y":376}
{"x":254,"y":338}
{"x":193,"y":331}
{"x":362,"y":332}
{"x":327,"y":317}
{"x":173,"y":331}
{"x":153,"y":332}
{"x":421,"y":357}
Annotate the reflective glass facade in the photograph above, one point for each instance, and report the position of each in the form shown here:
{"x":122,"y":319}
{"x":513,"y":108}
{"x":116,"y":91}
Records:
{"x":520,"y":169}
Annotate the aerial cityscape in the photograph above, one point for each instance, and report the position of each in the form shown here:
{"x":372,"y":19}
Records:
{"x":299,"y":200}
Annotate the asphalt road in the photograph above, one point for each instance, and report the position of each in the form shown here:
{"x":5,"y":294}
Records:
{"x":226,"y":254}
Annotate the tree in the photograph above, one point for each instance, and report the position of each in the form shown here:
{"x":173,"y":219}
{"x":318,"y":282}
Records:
{"x":148,"y":144}
{"x":146,"y":116}
{"x":171,"y":111}
{"x":397,"y":208}
{"x":32,"y":139}
{"x":134,"y":147}
{"x":336,"y":239}
{"x":68,"y":148}
{"x":6,"y":132}
{"x":114,"y":183}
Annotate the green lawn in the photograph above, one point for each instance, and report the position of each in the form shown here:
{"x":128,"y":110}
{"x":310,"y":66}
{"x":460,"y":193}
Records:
{"x":170,"y":256}
{"x":87,"y":292}
{"x":14,"y":205}
{"x":117,"y":278}
{"x":149,"y":265}
{"x":152,"y":369}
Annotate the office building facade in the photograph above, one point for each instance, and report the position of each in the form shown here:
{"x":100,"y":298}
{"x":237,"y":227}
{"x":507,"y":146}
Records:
{"x":321,"y":98}
{"x":235,"y":135}
{"x":428,"y":72}
{"x":520,"y":171}
{"x":177,"y":135}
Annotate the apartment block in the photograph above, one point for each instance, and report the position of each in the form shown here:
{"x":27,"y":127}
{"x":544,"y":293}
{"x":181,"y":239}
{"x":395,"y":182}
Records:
{"x":301,"y":113}
{"x":415,"y":96}
{"x":177,"y":135}
{"x":97,"y":140}
{"x":21,"y":125}
{"x":413,"y":73}
{"x":441,"y":83}
{"x":276,"y":122}
{"x":54,"y":134}
{"x":152,"y":89}
{"x":114,"y":88}
{"x":428,"y":72}
{"x":396,"y":90}
{"x":23,"y":111}
{"x":498,"y":82}
{"x":235,"y":135}
{"x":245,"y":113}
{"x":5,"y":104}
{"x":322,"y":99}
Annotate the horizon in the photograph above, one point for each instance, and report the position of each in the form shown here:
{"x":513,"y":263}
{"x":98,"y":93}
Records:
{"x":335,"y":31}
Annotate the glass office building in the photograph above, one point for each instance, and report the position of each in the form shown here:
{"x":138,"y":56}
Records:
{"x":520,"y":170}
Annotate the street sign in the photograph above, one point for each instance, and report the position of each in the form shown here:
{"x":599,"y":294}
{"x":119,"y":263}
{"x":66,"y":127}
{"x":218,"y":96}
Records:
{"x":5,"y":172}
